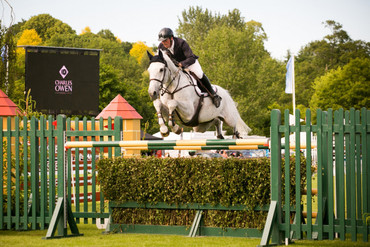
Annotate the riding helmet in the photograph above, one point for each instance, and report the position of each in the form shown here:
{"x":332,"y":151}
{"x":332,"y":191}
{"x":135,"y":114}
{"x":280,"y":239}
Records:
{"x":164,"y":34}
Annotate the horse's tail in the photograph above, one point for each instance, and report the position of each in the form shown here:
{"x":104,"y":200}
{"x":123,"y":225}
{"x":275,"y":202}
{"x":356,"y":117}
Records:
{"x":242,"y":127}
{"x":233,"y":113}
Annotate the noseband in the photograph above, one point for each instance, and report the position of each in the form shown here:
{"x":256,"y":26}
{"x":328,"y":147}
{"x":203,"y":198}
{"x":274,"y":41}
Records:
{"x":163,"y":89}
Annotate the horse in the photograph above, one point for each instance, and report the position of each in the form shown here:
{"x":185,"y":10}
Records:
{"x":173,"y":90}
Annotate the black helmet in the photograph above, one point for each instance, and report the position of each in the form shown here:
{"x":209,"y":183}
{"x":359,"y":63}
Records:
{"x":164,"y":34}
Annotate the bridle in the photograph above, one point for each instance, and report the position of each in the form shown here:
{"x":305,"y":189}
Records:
{"x":164,"y":89}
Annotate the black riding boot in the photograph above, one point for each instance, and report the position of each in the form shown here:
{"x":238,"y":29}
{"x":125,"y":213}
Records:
{"x":215,"y":98}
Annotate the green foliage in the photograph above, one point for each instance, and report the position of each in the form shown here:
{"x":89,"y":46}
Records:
{"x":196,"y":23}
{"x":243,"y":67}
{"x":345,"y":87}
{"x":47,"y":26}
{"x":197,"y":180}
{"x":27,"y":107}
{"x":318,"y":57}
{"x":7,"y":68}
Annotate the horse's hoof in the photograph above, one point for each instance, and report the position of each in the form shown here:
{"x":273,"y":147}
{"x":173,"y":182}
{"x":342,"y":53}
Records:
{"x":177,"y":130}
{"x":165,"y":134}
{"x":237,"y":135}
{"x":220,"y":137}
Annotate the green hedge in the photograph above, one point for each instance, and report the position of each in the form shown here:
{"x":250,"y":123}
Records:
{"x":189,"y":180}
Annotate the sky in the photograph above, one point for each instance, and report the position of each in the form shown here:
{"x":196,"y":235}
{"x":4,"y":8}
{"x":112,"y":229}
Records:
{"x":289,"y":24}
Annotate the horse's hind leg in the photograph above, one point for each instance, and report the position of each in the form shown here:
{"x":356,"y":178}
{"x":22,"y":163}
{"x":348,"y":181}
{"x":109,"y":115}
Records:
{"x":236,"y":134}
{"x":219,"y":129}
{"x":205,"y":126}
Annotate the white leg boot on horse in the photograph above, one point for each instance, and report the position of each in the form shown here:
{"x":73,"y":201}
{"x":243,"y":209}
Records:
{"x":216,"y":99}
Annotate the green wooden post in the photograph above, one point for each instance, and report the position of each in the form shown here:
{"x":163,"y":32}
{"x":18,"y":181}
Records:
{"x":347,"y":162}
{"x":339,"y":171}
{"x":298,"y":174}
{"x":325,"y":158}
{"x":117,"y":135}
{"x":61,"y":126}
{"x":93,"y":175}
{"x":9,"y":172}
{"x":365,"y":171}
{"x":77,"y":171}
{"x":330,"y":189}
{"x":273,"y":221}
{"x":17,"y":174}
{"x":358,"y":166}
{"x":352,"y":176}
{"x":275,"y":174}
{"x":62,"y":214}
{"x":43,"y":172}
{"x":109,"y":137}
{"x":34,"y":172}
{"x":319,"y":219}
{"x":287,"y":174}
{"x":308,"y":131}
{"x":25,"y":174}
{"x":86,"y":209}
{"x":101,"y":138}
{"x":51,"y":154}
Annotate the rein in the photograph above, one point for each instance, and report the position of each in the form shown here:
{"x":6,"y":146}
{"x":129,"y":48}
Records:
{"x":165,"y":90}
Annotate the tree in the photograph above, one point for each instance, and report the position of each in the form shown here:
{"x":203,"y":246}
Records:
{"x":196,"y":23}
{"x":86,"y":30}
{"x":139,"y":50}
{"x":237,"y":60}
{"x":107,"y":34}
{"x":109,"y":86}
{"x":344,"y":87}
{"x":29,"y":37}
{"x":47,"y":26}
{"x":7,"y":60}
{"x":315,"y":59}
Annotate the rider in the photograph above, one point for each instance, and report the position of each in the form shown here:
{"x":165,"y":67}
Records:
{"x":181,"y":52}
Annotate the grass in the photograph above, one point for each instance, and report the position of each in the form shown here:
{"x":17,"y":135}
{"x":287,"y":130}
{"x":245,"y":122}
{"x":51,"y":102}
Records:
{"x":94,"y":237}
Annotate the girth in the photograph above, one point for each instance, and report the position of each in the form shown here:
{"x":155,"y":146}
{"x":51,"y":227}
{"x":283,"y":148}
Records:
{"x":194,"y":121}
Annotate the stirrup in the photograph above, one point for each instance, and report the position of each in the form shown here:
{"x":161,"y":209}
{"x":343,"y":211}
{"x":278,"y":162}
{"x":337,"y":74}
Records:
{"x":216,"y":100}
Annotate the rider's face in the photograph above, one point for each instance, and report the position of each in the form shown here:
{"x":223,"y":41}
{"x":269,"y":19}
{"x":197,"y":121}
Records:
{"x":167,"y":43}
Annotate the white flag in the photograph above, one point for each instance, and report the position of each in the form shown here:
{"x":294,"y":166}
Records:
{"x":289,"y":75}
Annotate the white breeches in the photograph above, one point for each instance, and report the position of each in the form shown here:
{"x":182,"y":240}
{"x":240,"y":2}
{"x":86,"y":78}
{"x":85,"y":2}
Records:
{"x":196,"y":69}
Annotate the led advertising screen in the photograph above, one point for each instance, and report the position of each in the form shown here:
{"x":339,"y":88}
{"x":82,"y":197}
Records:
{"x":62,"y":81}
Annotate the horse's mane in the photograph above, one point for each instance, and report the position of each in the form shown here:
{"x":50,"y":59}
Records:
{"x":157,"y":58}
{"x":164,"y":58}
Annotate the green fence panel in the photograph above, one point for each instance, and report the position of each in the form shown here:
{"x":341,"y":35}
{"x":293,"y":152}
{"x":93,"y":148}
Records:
{"x":342,"y":199}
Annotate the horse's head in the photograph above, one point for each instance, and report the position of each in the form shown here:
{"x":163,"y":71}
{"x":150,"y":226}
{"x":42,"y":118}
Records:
{"x":162,"y":72}
{"x":157,"y":74}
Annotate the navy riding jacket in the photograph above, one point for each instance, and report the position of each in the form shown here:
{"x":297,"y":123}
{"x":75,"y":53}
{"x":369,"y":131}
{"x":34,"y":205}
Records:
{"x":182,"y":52}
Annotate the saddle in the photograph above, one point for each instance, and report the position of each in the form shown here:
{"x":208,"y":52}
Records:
{"x":200,"y":89}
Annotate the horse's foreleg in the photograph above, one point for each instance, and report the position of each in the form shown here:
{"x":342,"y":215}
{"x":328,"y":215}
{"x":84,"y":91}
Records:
{"x":172,"y":104}
{"x":162,"y":125}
